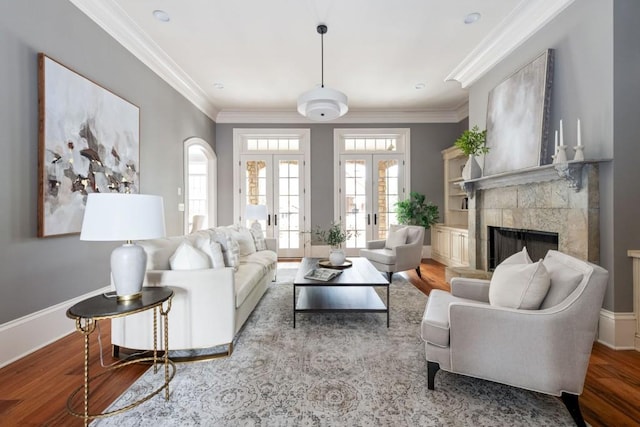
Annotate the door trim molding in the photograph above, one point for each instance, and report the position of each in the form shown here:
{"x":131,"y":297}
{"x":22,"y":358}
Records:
{"x":304,"y":134}
{"x":340,"y":133}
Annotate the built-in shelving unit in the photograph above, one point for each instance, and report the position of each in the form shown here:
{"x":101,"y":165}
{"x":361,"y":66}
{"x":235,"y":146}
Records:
{"x":449,"y":239}
{"x":455,"y":198}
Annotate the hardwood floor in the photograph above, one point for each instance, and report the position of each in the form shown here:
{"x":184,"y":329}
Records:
{"x":34,"y":389}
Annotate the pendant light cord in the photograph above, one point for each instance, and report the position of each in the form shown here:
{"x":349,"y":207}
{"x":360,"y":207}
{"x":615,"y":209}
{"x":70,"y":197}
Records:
{"x":322,"y":58}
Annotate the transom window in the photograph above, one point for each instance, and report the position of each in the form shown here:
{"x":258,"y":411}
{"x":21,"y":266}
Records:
{"x":255,"y":144}
{"x":370,"y":144}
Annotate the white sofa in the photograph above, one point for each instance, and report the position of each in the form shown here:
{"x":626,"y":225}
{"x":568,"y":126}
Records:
{"x":209,"y":305}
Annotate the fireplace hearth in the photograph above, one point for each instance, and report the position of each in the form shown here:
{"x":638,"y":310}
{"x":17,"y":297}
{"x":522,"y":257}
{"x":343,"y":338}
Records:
{"x":504,"y":242}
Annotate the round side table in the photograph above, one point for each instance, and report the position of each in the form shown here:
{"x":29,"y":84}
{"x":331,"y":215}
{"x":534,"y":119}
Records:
{"x":106,"y":306}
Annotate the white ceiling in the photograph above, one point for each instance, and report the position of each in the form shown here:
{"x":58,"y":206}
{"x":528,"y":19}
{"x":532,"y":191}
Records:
{"x":266,"y":53}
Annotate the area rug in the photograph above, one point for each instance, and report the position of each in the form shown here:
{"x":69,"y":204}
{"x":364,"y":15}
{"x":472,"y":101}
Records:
{"x":336,"y":369}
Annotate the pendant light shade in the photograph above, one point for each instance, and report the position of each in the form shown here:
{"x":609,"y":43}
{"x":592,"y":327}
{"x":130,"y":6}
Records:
{"x":322,"y":103}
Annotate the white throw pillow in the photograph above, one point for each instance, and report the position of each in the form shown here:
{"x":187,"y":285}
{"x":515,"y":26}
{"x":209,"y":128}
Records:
{"x":258,"y":236}
{"x":521,"y":257}
{"x":186,"y":257}
{"x":230,"y":248}
{"x":521,"y":286}
{"x":397,"y":237}
{"x":243,"y":236}
{"x":217,"y":259}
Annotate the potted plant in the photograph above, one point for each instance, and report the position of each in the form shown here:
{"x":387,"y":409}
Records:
{"x":334,"y":236}
{"x":416,"y":210}
{"x":472,"y":142}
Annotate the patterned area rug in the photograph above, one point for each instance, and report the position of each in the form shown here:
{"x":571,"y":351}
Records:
{"x":342,"y":369}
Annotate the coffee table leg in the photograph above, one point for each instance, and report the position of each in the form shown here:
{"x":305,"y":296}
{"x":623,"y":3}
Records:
{"x":388,"y":308}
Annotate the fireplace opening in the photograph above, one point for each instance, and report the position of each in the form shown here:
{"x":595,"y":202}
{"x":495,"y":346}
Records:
{"x":504,"y":242}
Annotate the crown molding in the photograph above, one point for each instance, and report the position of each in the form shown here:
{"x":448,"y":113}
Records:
{"x":452,"y":116}
{"x":115,"y":21}
{"x":524,"y":21}
{"x":462,"y":112}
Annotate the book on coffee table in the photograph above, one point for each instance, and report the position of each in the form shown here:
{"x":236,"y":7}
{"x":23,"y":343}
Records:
{"x":323,"y":274}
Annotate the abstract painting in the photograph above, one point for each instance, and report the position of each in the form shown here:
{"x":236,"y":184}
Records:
{"x":518,"y":118}
{"x":89,"y":141}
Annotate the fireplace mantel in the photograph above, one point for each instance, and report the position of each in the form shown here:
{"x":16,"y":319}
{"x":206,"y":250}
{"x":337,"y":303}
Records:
{"x":570,"y":171}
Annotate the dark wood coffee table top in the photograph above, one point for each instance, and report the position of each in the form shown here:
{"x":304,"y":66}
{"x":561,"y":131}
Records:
{"x":362,"y":273}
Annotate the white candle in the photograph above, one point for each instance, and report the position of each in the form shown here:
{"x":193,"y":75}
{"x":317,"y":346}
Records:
{"x":579,"y":139}
{"x":561,"y":136}
{"x":556,"y":150}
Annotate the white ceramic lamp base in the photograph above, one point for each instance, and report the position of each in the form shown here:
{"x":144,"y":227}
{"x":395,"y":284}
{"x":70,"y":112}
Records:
{"x":128,"y":265}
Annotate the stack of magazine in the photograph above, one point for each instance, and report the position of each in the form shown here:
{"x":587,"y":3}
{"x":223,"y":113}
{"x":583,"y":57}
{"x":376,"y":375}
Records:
{"x":323,"y":274}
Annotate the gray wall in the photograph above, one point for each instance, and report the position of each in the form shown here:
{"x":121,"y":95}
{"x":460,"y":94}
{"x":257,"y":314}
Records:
{"x":585,"y":87}
{"x":427,"y":140}
{"x":38,"y":273}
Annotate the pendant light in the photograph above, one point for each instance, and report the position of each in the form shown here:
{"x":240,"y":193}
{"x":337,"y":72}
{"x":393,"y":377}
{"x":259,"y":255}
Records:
{"x":322,"y":103}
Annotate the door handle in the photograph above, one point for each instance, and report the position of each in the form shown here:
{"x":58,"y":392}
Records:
{"x":368,"y":219}
{"x":275,"y":220}
{"x":375,"y":219}
{"x":269,"y":220}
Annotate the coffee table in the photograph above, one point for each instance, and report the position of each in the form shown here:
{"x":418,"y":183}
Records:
{"x":352,"y":291}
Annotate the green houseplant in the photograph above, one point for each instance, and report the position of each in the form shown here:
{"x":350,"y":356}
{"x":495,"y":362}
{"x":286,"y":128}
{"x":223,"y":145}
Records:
{"x":334,"y":236}
{"x":416,"y":210}
{"x":472,"y":142}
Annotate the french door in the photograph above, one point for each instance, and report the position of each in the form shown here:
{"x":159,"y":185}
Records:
{"x":277,"y":181}
{"x":370,"y":186}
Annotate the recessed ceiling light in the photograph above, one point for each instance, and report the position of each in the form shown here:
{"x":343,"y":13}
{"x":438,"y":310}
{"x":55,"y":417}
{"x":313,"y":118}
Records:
{"x":420,"y":86}
{"x":218,"y":86}
{"x":472,"y":17}
{"x":161,"y":15}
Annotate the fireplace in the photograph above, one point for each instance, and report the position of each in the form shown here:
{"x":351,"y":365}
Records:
{"x":504,"y":242}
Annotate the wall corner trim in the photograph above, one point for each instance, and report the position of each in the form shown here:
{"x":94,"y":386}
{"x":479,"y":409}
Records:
{"x":29,"y":333}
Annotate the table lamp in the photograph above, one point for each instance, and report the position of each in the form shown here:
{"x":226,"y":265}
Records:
{"x":256,"y":213}
{"x":125,"y":217}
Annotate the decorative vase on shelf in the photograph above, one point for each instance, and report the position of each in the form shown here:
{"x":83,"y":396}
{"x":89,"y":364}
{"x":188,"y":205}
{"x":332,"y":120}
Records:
{"x":337,"y":256}
{"x":471,"y":169}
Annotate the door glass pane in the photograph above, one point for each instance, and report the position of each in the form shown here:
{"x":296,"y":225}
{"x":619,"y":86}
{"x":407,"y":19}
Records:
{"x":355,"y":201}
{"x":288,"y":204}
{"x":256,"y":186}
{"x":388,"y":191}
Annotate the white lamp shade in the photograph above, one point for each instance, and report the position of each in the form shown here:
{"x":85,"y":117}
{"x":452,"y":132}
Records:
{"x":257,"y":212}
{"x":322,"y":104}
{"x":121,"y":217}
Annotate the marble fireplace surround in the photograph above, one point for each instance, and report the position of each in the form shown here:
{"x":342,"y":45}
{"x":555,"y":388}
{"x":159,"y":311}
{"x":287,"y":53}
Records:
{"x":562,"y":198}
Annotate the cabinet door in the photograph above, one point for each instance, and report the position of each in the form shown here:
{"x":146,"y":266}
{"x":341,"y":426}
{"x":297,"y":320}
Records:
{"x":464,"y":247}
{"x":456,"y":249}
{"x":444,"y":243}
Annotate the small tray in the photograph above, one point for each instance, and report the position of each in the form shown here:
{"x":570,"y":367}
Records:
{"x":327,"y":264}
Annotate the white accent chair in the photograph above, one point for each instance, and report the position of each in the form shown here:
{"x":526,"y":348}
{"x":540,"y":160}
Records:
{"x":545,"y":350}
{"x":392,"y":255}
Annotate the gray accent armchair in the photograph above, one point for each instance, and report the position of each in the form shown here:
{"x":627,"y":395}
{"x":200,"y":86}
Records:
{"x":545,"y":350}
{"x":400,"y":258}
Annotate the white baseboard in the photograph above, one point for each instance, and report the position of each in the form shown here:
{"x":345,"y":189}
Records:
{"x":617,"y":330}
{"x":29,"y":333}
{"x":426,"y":252}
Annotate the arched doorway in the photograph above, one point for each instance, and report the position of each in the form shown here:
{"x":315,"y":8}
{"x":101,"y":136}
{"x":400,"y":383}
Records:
{"x":200,"y":169}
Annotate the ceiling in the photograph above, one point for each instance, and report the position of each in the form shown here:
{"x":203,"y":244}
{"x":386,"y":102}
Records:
{"x":265,"y":53}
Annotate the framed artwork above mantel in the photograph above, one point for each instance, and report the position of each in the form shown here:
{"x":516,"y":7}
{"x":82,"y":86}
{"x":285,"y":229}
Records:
{"x":89,"y":141}
{"x":518,"y":118}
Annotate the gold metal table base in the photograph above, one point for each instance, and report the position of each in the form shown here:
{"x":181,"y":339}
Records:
{"x":87,"y":313}
{"x":164,"y":386}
